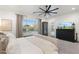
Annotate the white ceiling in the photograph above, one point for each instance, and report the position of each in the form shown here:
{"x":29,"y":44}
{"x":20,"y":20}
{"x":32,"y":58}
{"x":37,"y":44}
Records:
{"x":29,"y":9}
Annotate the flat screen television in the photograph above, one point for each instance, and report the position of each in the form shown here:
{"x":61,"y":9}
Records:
{"x":66,"y":25}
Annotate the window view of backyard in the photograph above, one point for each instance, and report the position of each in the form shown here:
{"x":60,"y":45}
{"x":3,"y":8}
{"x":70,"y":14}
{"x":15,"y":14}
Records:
{"x":30,"y":26}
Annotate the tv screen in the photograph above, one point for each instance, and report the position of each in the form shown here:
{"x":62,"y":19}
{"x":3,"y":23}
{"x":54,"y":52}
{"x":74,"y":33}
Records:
{"x":66,"y":25}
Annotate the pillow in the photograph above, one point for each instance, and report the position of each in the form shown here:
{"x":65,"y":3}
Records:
{"x":3,"y":42}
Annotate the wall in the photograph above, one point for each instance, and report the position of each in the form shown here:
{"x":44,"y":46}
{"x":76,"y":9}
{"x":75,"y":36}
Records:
{"x":74,"y":17}
{"x":11,"y":16}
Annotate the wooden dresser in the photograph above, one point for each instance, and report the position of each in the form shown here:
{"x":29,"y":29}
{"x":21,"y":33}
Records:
{"x":66,"y":34}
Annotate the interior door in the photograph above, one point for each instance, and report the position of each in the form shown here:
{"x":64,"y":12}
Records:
{"x":45,"y":28}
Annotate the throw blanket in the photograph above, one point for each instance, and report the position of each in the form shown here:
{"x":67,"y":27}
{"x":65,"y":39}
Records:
{"x":3,"y":43}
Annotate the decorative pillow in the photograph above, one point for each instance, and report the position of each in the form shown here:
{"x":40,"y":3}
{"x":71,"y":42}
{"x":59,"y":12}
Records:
{"x":3,"y":42}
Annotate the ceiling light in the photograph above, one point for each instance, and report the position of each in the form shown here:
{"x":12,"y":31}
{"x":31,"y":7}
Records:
{"x":73,"y":8}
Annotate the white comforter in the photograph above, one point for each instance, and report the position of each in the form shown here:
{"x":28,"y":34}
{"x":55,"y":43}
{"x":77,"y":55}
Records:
{"x":22,"y":46}
{"x":46,"y":46}
{"x":31,"y":45}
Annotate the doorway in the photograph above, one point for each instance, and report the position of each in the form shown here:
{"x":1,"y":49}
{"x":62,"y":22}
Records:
{"x":45,"y":28}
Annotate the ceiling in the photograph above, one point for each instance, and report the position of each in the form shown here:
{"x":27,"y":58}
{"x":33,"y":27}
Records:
{"x":29,"y":9}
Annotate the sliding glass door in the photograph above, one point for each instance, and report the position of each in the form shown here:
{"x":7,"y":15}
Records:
{"x":30,"y":26}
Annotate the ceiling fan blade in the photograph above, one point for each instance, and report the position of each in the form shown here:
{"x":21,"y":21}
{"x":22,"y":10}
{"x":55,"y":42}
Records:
{"x":42,"y":9}
{"x":54,"y":9}
{"x":54,"y":12}
{"x":48,"y":7}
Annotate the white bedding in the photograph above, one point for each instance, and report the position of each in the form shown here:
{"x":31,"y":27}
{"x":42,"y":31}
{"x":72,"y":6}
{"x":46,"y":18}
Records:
{"x":30,"y":45}
{"x":51,"y":39}
{"x":23,"y":46}
{"x":46,"y":46}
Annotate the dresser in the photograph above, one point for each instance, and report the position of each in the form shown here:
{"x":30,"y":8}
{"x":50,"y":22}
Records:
{"x":66,"y":34}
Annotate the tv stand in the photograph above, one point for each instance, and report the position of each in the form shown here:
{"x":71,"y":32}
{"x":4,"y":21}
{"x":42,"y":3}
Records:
{"x":66,"y":34}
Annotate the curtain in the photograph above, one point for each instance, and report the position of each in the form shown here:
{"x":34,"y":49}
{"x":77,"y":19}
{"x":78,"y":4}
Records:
{"x":19,"y":25}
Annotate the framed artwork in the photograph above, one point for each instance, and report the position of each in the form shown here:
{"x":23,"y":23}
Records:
{"x":5,"y":25}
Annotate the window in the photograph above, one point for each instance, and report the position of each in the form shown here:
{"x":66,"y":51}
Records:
{"x":30,"y":26}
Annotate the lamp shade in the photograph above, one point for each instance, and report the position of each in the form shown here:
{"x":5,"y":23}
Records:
{"x":5,"y":25}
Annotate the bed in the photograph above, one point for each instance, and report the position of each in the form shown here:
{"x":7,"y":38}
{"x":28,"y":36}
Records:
{"x":36,"y":44}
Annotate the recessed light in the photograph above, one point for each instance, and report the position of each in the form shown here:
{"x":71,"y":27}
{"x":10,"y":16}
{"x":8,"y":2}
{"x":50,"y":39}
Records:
{"x":73,"y":8}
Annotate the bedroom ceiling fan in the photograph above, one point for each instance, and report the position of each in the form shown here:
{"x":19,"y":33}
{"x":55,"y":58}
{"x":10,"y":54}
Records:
{"x":46,"y":11}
